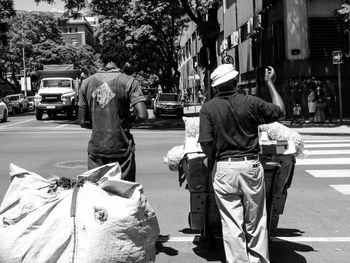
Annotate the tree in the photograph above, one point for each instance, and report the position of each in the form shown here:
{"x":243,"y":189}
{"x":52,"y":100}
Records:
{"x":37,"y":36}
{"x":6,"y":11}
{"x":141,"y":36}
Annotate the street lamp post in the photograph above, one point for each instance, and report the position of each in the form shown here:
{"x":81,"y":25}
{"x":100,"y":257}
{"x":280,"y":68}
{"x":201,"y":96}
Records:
{"x":24,"y":72}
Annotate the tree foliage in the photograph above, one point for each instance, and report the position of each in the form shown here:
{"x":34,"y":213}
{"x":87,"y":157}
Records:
{"x":6,"y":12}
{"x":141,"y":36}
{"x":37,"y":37}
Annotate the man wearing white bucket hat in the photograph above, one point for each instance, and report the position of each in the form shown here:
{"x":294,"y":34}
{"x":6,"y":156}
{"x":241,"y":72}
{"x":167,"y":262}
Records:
{"x":228,"y":134}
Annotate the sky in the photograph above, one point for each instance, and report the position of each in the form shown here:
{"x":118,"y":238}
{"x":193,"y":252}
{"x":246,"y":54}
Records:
{"x":30,"y":5}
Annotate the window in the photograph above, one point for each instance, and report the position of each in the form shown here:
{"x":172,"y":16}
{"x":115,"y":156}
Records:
{"x":325,"y":36}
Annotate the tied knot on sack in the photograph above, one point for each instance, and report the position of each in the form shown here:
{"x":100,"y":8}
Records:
{"x":101,"y":214}
{"x":64,"y":183}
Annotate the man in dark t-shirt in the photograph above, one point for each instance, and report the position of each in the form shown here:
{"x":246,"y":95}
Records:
{"x":228,"y":135}
{"x":105,"y":100}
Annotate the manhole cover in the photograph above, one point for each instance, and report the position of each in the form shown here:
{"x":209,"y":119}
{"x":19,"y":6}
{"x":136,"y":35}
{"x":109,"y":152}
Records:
{"x":72,"y":164}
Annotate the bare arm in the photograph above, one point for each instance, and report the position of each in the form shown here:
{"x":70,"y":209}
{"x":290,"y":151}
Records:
{"x":270,"y":77}
{"x":209,"y":152}
{"x":83,"y":118}
{"x":141,"y":113}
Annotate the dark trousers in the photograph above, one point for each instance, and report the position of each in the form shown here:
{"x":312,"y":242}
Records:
{"x":127,"y":164}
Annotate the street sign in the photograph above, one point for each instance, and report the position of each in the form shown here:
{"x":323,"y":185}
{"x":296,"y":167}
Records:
{"x":337,"y":57}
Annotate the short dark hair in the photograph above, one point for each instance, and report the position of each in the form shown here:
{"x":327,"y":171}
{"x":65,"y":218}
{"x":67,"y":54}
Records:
{"x":229,"y":85}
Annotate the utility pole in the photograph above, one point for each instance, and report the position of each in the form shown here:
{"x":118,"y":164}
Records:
{"x":338,"y":59}
{"x":24,"y":72}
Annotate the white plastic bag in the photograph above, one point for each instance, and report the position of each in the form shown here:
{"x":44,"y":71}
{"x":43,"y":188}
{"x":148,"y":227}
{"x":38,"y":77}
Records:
{"x":174,"y":157}
{"x":110,"y":221}
{"x":278,"y":131}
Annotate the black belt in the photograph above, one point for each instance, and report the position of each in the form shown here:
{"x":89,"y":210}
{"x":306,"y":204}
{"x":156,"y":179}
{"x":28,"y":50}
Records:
{"x":239,"y":159}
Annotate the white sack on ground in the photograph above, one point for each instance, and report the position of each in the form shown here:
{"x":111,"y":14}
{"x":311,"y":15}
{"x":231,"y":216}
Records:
{"x":113,"y":221}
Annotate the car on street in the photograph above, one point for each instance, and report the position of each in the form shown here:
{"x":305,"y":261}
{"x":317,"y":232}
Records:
{"x":3,"y":112}
{"x":168,"y":103}
{"x":31,"y":103}
{"x":19,"y":101}
{"x":9,"y":104}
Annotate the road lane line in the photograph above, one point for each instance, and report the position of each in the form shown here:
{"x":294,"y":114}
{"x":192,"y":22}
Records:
{"x":12,"y":124}
{"x":328,"y":152}
{"x":329,"y":173}
{"x":63,"y":125}
{"x":322,"y":161}
{"x":277,"y":238}
{"x":342,"y":188}
{"x":326,"y":141}
{"x":330,"y":145}
{"x":313,"y":239}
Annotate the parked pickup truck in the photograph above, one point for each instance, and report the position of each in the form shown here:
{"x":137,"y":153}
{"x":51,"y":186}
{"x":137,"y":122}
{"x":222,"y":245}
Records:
{"x":58,"y":93}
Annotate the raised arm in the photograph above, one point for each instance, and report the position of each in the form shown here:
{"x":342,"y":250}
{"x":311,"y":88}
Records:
{"x":270,"y":77}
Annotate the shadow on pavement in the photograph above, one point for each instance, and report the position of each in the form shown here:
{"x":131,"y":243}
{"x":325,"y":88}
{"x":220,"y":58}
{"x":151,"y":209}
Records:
{"x":162,"y":123}
{"x":164,"y":249}
{"x":287,"y":232}
{"x":287,"y":252}
{"x":214,"y":252}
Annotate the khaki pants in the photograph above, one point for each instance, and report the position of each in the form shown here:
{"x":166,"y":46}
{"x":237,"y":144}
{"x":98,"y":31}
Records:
{"x":240,"y":195}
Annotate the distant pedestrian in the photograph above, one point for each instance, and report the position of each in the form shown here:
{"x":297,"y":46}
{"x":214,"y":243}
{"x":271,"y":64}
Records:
{"x":329,"y":94}
{"x":311,"y":103}
{"x":321,"y":105}
{"x":105,"y":100}
{"x":200,"y":97}
{"x":296,"y":113}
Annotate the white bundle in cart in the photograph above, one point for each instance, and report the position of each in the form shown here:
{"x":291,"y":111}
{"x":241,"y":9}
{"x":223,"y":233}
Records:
{"x":93,"y":219}
{"x":174,"y":157}
{"x":277,"y":131}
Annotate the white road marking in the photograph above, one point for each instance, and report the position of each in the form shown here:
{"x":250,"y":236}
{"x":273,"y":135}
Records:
{"x":342,"y":188}
{"x":322,"y":161}
{"x":329,"y":173}
{"x":328,"y":152}
{"x":278,"y":239}
{"x":313,"y":239}
{"x":12,"y":124}
{"x":325,"y":141}
{"x":329,"y":145}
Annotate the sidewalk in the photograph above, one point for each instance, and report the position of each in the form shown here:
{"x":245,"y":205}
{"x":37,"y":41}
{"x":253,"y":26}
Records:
{"x":331,"y":129}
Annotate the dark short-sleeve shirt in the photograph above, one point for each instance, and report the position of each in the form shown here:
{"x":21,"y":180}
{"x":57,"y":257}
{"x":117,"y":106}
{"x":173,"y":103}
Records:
{"x":230,"y":121}
{"x":108,"y":96}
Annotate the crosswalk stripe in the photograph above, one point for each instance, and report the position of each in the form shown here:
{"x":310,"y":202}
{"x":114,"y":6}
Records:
{"x":324,"y":141}
{"x":328,"y":152}
{"x":322,"y":161}
{"x":329,"y":173}
{"x":329,"y":145}
{"x":342,"y":188}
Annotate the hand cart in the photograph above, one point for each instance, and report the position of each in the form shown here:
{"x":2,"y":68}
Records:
{"x":204,"y":214}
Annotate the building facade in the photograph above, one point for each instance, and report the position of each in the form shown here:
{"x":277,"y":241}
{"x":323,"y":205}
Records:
{"x":297,"y":38}
{"x":79,"y":32}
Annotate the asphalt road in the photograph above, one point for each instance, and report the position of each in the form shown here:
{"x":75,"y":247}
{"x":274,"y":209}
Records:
{"x":314,"y":227}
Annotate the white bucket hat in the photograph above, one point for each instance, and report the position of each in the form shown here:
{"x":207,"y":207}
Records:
{"x":222,"y":74}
